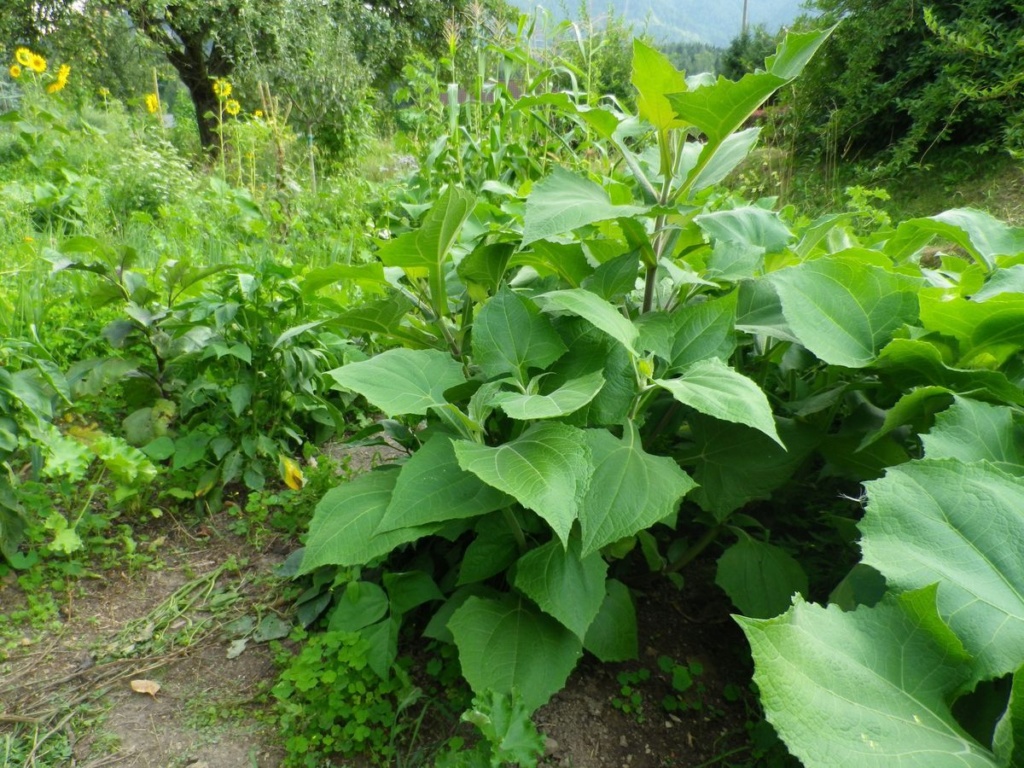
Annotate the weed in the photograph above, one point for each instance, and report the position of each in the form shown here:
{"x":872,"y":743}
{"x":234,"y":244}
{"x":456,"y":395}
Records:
{"x":630,"y":700}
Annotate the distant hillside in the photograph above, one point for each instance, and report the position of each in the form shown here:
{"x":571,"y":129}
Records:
{"x":711,"y":21}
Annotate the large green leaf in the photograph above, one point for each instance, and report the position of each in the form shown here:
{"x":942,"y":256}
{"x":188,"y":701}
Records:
{"x":988,"y":332}
{"x":960,"y":525}
{"x":748,"y":225}
{"x":843,"y":310}
{"x":507,"y":645}
{"x":865,"y":689}
{"x":760,"y":578}
{"x":734,"y":464}
{"x":602,"y":314}
{"x":382,"y":316}
{"x":692,"y":333}
{"x":510,"y":335}
{"x":906,"y":363}
{"x":565,"y":585}
{"x":402,"y":381}
{"x":979,"y":233}
{"x":613,"y":634}
{"x":433,"y":488}
{"x":492,"y":551}
{"x":713,"y":388}
{"x":592,"y":351}
{"x":975,"y":431}
{"x":342,"y":531}
{"x":568,"y":398}
{"x":564,"y":202}
{"x":429,"y":246}
{"x":630,"y":490}
{"x":547,"y":469}
{"x":654,"y":77}
{"x":719,"y":109}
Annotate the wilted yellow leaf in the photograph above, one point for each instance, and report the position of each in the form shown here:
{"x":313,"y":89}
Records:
{"x":292,"y":474}
{"x":146,"y":686}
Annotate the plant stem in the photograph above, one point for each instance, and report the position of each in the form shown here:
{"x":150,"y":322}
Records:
{"x":691,"y":554}
{"x":650,"y":283}
{"x":513,"y":524}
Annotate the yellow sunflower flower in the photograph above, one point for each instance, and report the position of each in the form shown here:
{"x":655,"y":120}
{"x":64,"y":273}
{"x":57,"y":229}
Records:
{"x":15,"y":71}
{"x":221,"y":88}
{"x":37,"y":63}
{"x":232,"y":107}
{"x":152,"y":103}
{"x":23,"y":56}
{"x":62,"y":79}
{"x":258,"y":114}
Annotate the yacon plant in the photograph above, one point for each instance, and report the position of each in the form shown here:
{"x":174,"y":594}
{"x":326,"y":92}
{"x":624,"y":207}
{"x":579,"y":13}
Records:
{"x":531,"y":356}
{"x":930,"y":675}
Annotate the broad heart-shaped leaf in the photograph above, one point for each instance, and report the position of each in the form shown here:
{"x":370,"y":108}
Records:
{"x":564,"y":202}
{"x":842,"y":310}
{"x":979,"y":233}
{"x":713,"y":388}
{"x":428,"y":246}
{"x":865,"y":689}
{"x":510,"y":335}
{"x":905,"y":363}
{"x":613,"y":634}
{"x":654,"y":77}
{"x":600,"y":313}
{"x":342,"y":531}
{"x":547,"y":469}
{"x":565,"y":585}
{"x":975,"y":431}
{"x":748,"y":225}
{"x":432,"y":488}
{"x":961,"y":525}
{"x":630,"y":490}
{"x":402,"y":381}
{"x":568,"y":398}
{"x":760,"y":578}
{"x":734,"y":464}
{"x":507,"y":645}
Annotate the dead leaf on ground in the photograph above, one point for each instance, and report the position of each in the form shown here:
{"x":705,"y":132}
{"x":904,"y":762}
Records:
{"x":146,"y":686}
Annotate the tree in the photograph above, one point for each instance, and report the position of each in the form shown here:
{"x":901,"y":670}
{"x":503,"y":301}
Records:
{"x":207,"y":39}
{"x":891,"y":82}
{"x":748,"y":51}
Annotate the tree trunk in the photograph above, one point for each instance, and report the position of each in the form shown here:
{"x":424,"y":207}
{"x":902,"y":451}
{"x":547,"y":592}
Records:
{"x":197,"y":70}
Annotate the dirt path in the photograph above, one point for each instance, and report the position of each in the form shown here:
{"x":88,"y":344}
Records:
{"x":170,"y":626}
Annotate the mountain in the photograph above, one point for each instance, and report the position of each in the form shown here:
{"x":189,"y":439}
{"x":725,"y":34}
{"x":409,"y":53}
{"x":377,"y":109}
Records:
{"x":710,"y":21}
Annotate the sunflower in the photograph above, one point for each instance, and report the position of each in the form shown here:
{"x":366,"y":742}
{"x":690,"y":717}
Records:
{"x":15,"y":71}
{"x":232,"y":107}
{"x":221,"y":88}
{"x":258,"y":114}
{"x":152,"y":103}
{"x":61,"y":81}
{"x":23,"y":56}
{"x":37,"y":63}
